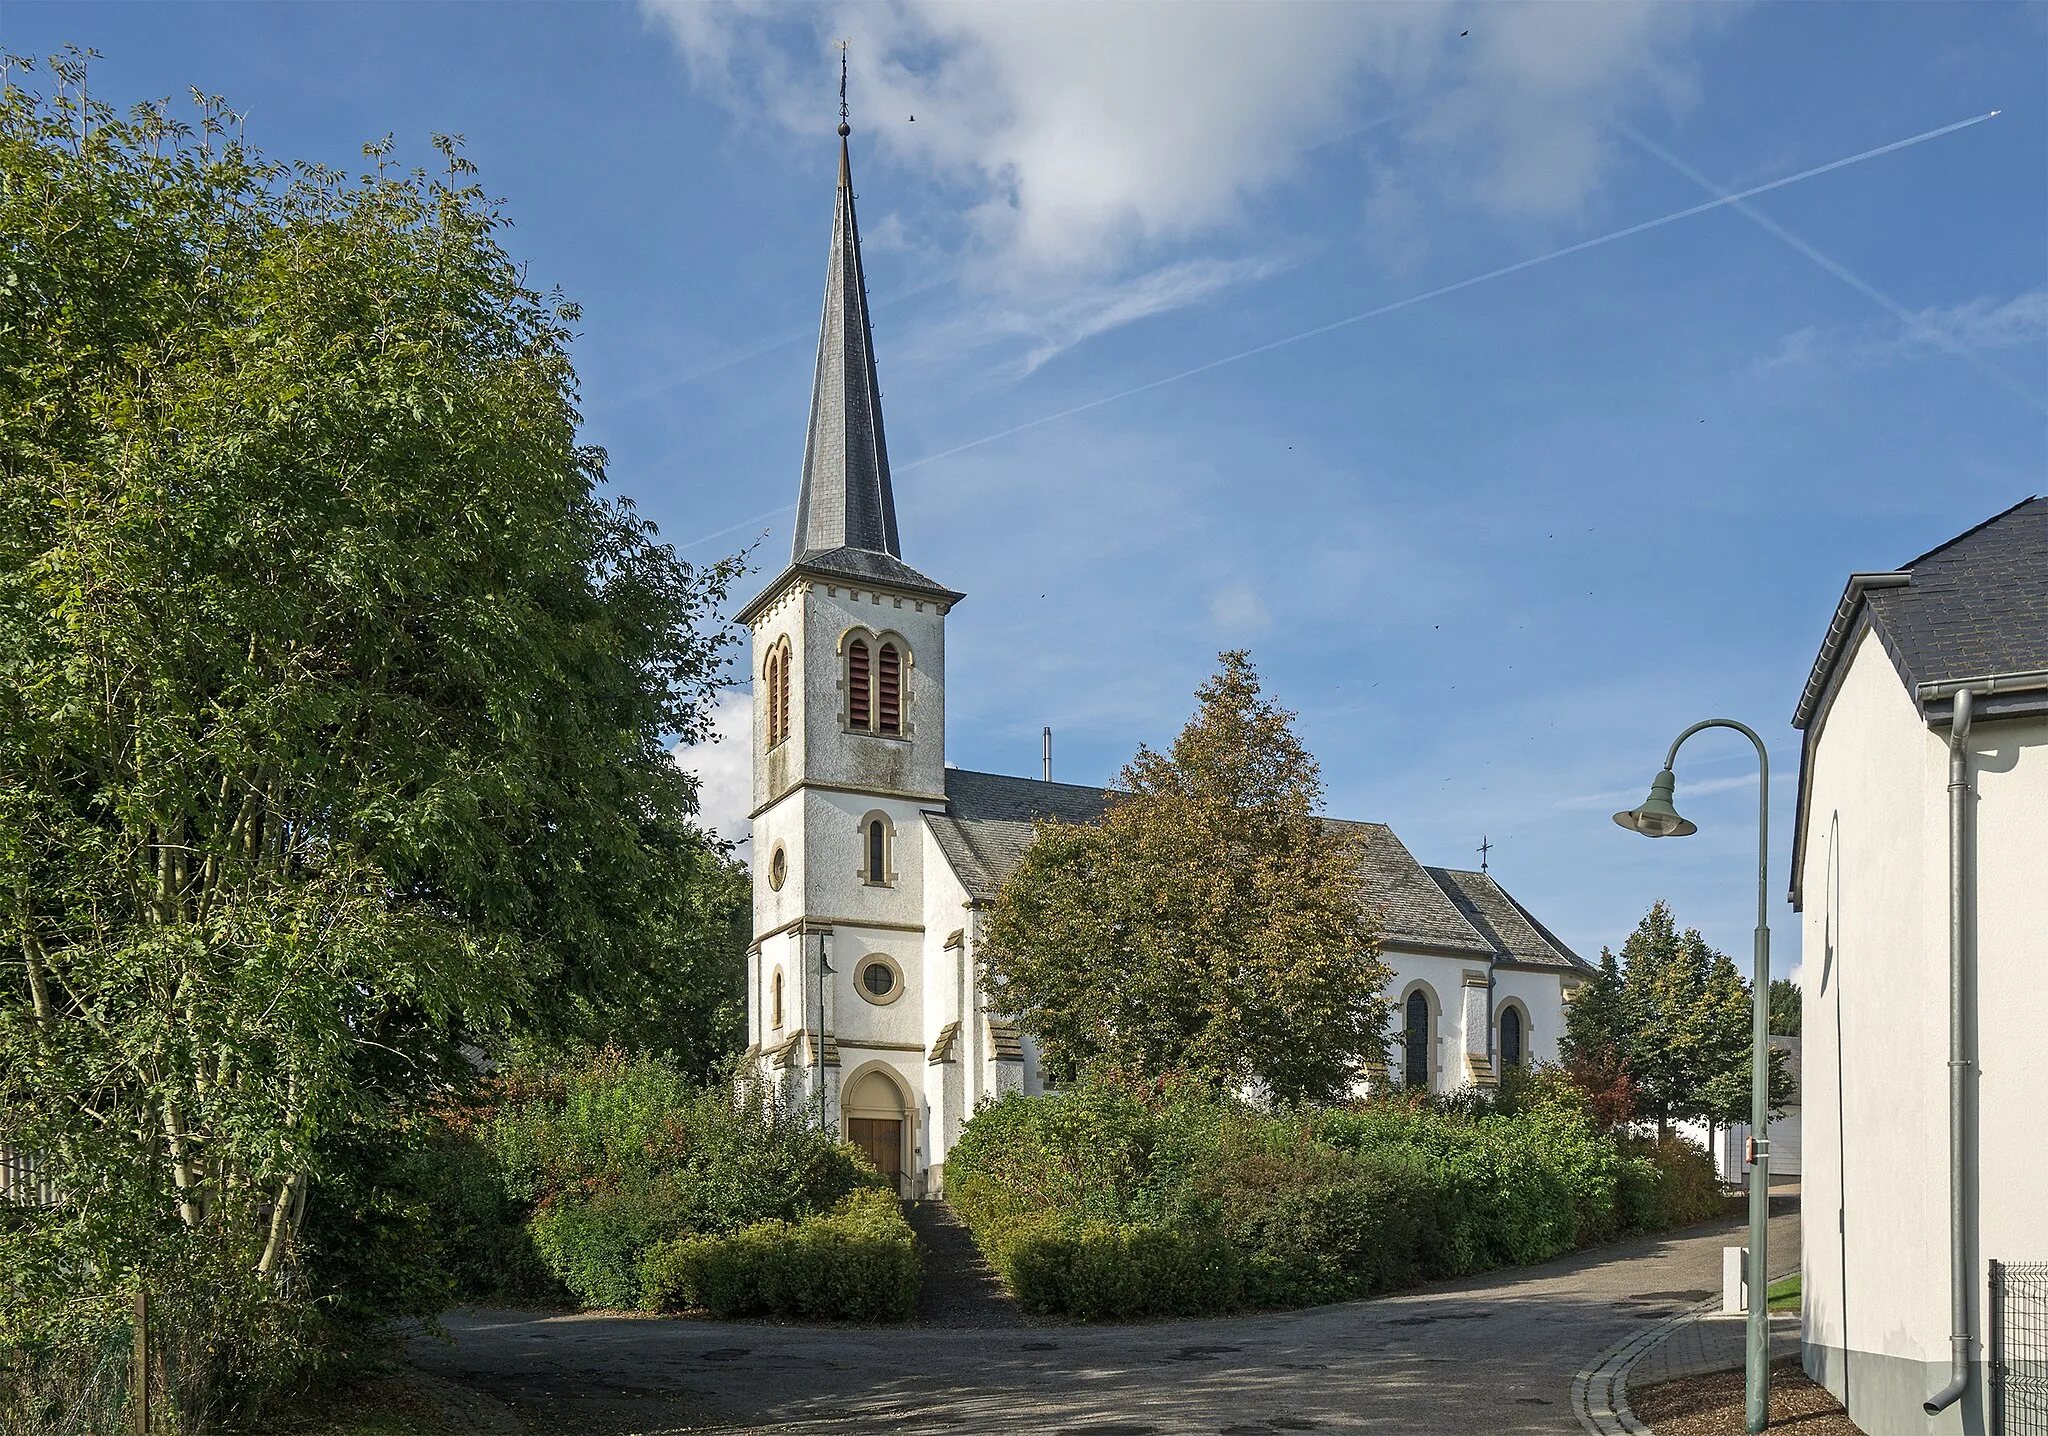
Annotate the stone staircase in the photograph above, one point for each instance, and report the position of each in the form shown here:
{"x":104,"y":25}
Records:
{"x":959,"y":1287}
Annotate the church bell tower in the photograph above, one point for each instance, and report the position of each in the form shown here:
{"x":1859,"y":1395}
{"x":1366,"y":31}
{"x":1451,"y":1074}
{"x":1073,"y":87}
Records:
{"x":849,"y":665}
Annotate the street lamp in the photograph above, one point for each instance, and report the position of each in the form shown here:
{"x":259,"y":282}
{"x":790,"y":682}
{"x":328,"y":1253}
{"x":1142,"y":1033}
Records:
{"x":1657,"y":818}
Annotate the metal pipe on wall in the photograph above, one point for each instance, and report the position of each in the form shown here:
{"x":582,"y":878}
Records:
{"x":1958,"y":1057}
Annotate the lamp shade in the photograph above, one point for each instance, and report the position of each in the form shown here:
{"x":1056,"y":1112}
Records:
{"x":1656,"y":818}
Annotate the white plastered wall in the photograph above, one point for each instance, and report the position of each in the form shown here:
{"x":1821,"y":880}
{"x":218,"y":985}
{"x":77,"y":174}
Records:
{"x":947,"y":1087}
{"x":1445,"y":978}
{"x":1874,"y":1171}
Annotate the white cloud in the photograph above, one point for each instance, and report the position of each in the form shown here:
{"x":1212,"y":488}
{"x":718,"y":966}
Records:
{"x":1087,"y":135}
{"x":724,"y":765}
{"x":1238,"y":610}
{"x":1977,"y":326}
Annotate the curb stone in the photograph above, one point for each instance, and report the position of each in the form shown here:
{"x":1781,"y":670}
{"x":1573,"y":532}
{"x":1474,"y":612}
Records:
{"x":1600,"y":1390}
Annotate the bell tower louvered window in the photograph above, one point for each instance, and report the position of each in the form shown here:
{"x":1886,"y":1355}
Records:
{"x":782,"y":691}
{"x":889,"y":690}
{"x":775,"y":685}
{"x":858,"y":705}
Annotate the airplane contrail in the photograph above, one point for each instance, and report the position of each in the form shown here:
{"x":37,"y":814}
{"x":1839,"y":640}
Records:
{"x":1719,"y":202}
{"x":1438,"y":293}
{"x":1914,"y":323}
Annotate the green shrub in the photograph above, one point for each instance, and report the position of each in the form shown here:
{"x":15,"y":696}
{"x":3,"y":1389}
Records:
{"x":1118,"y":1271}
{"x":1671,"y":1183}
{"x":613,"y":1155}
{"x":858,"y":1262}
{"x":1111,"y":1202}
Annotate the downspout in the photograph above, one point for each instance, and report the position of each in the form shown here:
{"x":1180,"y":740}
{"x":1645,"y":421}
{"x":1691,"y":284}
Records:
{"x":1958,"y":1060}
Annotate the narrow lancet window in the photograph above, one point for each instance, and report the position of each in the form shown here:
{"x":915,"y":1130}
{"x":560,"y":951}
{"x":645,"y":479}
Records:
{"x":1415,"y":1069}
{"x":857,"y":704}
{"x":878,"y":843}
{"x":889,"y":699}
{"x":1511,"y":1038}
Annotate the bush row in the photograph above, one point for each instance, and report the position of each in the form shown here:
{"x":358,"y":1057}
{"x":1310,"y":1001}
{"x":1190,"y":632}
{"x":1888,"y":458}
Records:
{"x":1110,"y":1204}
{"x":597,"y":1160}
{"x":858,"y":1262}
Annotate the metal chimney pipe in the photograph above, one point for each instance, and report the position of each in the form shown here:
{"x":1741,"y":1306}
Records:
{"x":1048,"y":754}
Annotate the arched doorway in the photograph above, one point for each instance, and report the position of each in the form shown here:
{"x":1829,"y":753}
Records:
{"x":872,"y":1107}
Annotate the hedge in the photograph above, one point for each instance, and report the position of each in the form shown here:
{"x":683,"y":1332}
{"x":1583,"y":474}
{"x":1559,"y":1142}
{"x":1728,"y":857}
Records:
{"x":857,"y":1262}
{"x":1107,"y":1203}
{"x":603,"y":1156}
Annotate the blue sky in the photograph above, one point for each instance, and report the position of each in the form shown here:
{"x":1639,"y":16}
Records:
{"x":1496,"y":546}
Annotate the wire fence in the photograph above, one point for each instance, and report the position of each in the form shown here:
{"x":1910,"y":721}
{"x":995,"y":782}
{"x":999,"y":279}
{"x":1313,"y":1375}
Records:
{"x":80,"y":1391}
{"x":2019,"y":1348}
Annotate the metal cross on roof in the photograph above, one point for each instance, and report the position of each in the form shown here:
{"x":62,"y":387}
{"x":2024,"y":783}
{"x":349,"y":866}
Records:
{"x":843,"y":126}
{"x":1484,"y":848}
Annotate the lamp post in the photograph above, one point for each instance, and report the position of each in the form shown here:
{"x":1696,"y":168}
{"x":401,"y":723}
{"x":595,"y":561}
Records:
{"x":1657,"y":818}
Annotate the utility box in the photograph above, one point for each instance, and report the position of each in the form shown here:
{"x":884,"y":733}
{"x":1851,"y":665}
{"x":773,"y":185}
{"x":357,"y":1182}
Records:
{"x":1734,"y":1281}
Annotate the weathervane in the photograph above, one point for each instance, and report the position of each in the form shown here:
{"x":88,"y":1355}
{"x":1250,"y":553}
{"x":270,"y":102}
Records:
{"x":844,"y":128}
{"x":1484,"y":848}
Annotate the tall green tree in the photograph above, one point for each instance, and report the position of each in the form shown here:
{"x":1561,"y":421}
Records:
{"x":1674,"y":1016}
{"x":1786,"y":1006}
{"x":335,"y":693}
{"x":1212,"y":924}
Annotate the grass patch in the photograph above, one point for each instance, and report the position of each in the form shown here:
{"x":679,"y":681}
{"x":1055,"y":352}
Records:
{"x":1783,"y":1294}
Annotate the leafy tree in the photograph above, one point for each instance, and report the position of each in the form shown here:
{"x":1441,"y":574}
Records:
{"x":1786,"y":1005}
{"x":1595,"y":1046}
{"x":335,"y":695}
{"x":1675,"y":1017}
{"x":1211,"y":924}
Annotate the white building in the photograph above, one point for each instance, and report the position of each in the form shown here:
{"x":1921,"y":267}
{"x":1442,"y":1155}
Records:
{"x":1893,"y":789}
{"x":873,"y":859}
{"x":1730,"y":1144}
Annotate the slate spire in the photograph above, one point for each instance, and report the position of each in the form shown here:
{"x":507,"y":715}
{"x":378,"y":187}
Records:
{"x":846,"y":500}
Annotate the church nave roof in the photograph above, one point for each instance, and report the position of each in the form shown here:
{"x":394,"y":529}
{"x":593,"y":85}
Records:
{"x":987,"y":826}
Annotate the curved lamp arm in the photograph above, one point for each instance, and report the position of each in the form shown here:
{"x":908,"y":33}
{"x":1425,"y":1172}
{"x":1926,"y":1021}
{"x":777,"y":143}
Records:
{"x":1763,"y":805}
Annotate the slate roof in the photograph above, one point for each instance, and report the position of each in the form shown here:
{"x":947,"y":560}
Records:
{"x":1414,"y":910}
{"x":1511,"y":928}
{"x":988,"y":821}
{"x":1976,"y":606}
{"x":846,"y":508}
{"x":846,"y":500}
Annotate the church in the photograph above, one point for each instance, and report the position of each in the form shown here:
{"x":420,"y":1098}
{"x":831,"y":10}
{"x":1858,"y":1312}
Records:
{"x":874,"y":859}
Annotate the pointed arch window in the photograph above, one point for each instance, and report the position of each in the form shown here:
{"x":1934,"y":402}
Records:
{"x":1415,"y":1040}
{"x":889,"y":690}
{"x":1512,"y":1038}
{"x":775,"y":999}
{"x":858,"y":697}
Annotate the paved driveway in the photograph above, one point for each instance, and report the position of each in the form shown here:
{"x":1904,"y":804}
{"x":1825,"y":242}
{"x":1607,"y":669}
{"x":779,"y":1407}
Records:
{"x":1490,"y":1354}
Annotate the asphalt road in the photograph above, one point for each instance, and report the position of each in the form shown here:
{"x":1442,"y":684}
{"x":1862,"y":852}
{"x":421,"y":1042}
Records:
{"x":1490,"y":1354}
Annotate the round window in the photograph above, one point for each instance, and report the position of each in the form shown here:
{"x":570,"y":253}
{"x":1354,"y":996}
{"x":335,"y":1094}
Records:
{"x":778,"y":868}
{"x":879,"y":979}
